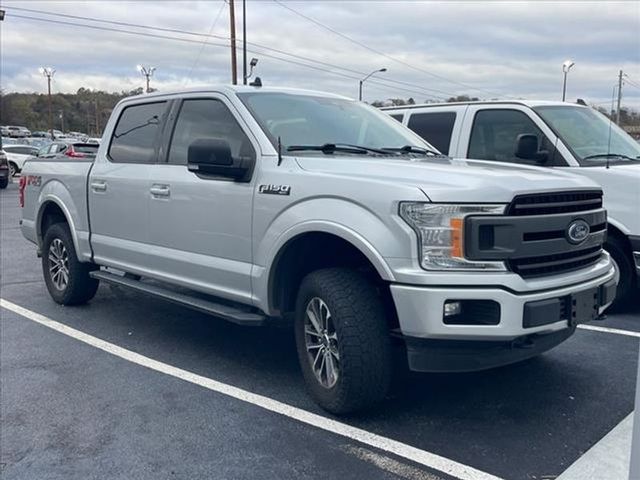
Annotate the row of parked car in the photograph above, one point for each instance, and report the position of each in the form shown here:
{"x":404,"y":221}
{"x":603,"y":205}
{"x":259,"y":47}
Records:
{"x":14,"y":155}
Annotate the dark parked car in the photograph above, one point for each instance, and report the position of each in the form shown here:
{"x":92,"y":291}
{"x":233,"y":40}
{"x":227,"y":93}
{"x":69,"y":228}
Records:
{"x":4,"y":169}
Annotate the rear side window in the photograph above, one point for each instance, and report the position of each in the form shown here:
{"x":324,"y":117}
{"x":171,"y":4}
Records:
{"x":85,"y":148}
{"x":397,"y":116}
{"x":134,"y":138}
{"x":207,"y":119}
{"x":436,"y":128}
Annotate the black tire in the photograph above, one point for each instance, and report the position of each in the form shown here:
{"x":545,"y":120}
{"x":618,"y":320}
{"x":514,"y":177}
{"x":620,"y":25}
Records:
{"x":3,"y":183}
{"x":362,"y":337}
{"x":80,"y":287}
{"x":13,"y":169}
{"x":628,"y":279}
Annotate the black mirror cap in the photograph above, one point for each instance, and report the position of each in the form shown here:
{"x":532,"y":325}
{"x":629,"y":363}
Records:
{"x":527,"y":146}
{"x":210,"y":151}
{"x":211,"y":158}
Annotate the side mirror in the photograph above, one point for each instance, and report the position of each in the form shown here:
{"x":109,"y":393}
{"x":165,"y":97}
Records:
{"x":209,"y":151}
{"x":527,"y":148}
{"x":208,"y":157}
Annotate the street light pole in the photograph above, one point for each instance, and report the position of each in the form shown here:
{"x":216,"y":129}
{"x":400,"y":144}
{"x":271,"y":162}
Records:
{"x":566,"y":66}
{"x":365,"y":78}
{"x":147,"y":72}
{"x":48,"y":72}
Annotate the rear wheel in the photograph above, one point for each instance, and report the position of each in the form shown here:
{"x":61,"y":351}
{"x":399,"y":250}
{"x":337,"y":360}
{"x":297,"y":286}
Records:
{"x":626,"y":270}
{"x":67,"y":278}
{"x":342,"y":340}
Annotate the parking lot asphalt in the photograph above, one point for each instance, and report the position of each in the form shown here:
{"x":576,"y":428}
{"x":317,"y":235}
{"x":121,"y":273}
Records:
{"x":69,"y":410}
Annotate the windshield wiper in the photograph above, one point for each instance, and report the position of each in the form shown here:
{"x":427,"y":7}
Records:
{"x":412,"y":149}
{"x":609,"y":155}
{"x":329,"y":148}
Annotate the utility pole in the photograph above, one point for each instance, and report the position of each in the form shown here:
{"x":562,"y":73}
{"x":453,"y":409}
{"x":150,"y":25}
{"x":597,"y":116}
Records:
{"x":97,"y":118}
{"x":244,"y":42}
{"x":147,"y":72}
{"x":232,"y":19}
{"x":619,"y":97}
{"x":48,"y":72}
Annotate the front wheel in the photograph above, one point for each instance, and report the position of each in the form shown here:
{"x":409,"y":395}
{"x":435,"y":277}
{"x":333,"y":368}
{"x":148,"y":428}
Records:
{"x":67,"y":279}
{"x":626,"y":269}
{"x":342,"y":340}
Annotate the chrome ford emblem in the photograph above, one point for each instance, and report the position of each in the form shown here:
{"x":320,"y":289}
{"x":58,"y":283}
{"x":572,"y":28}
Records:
{"x":578,"y":231}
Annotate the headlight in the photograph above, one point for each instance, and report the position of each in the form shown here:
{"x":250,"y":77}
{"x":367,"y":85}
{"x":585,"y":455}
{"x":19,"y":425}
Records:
{"x":440,"y":230}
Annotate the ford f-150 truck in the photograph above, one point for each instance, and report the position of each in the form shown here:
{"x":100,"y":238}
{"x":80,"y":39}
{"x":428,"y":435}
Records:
{"x":260,"y":205}
{"x":561,"y":135}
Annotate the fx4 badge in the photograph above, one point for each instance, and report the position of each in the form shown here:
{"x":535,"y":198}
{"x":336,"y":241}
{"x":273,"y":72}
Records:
{"x":275,"y":189}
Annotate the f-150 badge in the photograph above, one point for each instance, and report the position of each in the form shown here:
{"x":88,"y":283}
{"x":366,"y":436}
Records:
{"x":275,"y":189}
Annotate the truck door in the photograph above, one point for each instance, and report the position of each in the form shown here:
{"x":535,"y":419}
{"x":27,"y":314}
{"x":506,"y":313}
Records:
{"x":119,"y":188}
{"x":200,"y":225}
{"x":491,"y":132}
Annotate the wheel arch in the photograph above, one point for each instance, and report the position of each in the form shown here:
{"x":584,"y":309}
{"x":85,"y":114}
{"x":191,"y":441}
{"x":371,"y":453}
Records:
{"x":51,"y":211}
{"x":313,"y":249}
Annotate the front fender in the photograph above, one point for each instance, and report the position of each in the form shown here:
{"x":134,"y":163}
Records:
{"x":346,"y":219}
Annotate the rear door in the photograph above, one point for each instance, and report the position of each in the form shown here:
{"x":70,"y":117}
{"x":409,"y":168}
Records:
{"x":440,"y":126}
{"x":119,"y":188}
{"x":200,"y":225}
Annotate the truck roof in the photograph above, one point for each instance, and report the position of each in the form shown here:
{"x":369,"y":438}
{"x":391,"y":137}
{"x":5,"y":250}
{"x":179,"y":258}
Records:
{"x":526,"y":103}
{"x":232,"y":89}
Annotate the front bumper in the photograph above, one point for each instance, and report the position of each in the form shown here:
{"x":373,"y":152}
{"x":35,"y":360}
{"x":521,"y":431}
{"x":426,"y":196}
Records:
{"x":526,"y":323}
{"x":635,"y":252}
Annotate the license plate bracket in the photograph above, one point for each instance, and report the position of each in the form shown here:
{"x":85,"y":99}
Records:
{"x":584,"y":306}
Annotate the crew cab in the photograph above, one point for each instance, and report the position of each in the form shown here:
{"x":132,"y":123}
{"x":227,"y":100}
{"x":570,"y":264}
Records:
{"x":559,"y":135}
{"x":262,"y":205}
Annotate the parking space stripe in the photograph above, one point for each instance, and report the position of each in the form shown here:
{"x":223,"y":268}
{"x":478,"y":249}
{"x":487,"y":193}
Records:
{"x":615,"y":331}
{"x":413,"y":454}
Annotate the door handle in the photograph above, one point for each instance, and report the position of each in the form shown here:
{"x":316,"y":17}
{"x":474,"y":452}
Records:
{"x":160,"y":190}
{"x":99,"y":186}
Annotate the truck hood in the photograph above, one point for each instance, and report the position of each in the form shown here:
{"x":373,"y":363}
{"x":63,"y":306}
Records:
{"x":444,"y":179}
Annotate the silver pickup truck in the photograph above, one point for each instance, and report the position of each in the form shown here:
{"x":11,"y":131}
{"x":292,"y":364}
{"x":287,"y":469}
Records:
{"x":262,"y":205}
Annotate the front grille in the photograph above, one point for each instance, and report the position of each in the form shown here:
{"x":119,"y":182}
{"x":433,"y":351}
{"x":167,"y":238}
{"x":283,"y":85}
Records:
{"x":553,"y":203}
{"x":551,"y":264}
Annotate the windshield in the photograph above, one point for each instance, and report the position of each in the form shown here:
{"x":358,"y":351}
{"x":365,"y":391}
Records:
{"x":315,"y":120}
{"x":591,"y":137}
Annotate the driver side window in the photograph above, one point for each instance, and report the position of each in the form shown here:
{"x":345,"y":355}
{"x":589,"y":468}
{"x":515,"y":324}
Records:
{"x":207,"y":119}
{"x":494,"y":136}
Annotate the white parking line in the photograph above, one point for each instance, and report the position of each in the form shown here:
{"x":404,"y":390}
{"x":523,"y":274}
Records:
{"x":422,"y":457}
{"x":615,"y":331}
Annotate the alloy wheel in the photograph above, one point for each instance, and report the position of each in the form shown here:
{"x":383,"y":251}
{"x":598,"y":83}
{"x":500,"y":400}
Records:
{"x":321,"y":341}
{"x":59,"y":264}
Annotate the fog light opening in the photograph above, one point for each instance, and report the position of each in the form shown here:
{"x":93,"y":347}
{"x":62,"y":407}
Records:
{"x":452,"y":307}
{"x":471,"y":312}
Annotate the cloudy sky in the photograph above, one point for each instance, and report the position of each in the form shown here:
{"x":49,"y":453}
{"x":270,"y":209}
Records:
{"x":432,"y":50}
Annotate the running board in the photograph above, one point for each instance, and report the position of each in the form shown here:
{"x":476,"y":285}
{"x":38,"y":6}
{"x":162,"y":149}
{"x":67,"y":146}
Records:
{"x":225,"y":312}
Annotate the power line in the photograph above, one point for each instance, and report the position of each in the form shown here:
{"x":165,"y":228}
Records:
{"x":422,"y":90}
{"x":204,"y":42}
{"x":186,"y":40}
{"x":383,"y":54}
